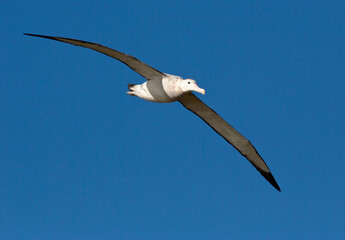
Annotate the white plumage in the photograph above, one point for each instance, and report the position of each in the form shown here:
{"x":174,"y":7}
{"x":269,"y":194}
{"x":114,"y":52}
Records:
{"x":163,"y":88}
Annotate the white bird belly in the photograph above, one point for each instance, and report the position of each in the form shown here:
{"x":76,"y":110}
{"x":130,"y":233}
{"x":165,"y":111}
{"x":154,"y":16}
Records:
{"x":161,"y":91}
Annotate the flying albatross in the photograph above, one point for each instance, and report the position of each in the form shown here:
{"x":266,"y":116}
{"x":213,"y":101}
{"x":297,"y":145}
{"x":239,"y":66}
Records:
{"x":163,"y":88}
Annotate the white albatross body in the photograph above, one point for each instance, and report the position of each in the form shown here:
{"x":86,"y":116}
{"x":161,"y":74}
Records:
{"x":164,"y":88}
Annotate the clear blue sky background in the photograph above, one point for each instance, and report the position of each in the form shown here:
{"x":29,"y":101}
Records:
{"x":80,"y":159}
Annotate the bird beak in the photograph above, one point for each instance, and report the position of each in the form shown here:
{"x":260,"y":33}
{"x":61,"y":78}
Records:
{"x":200,"y":90}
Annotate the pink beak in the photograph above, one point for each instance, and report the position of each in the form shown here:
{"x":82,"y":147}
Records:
{"x":200,"y":90}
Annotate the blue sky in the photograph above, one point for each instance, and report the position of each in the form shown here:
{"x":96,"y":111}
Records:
{"x":80,"y":159}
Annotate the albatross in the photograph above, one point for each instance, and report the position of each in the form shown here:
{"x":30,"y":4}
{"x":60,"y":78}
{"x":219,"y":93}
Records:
{"x":165,"y":88}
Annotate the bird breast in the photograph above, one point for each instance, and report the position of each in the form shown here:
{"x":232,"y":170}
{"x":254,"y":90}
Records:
{"x":161,"y":90}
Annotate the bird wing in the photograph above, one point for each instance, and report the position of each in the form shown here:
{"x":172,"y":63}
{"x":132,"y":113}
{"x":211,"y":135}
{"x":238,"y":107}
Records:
{"x":138,"y":66}
{"x":224,"y":129}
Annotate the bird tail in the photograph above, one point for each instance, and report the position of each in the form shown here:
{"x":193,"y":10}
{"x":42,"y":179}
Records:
{"x":130,"y":85}
{"x":131,"y":91}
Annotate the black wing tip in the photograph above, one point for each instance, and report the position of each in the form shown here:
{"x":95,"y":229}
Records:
{"x":269,"y":177}
{"x":35,"y":35}
{"x":38,"y":35}
{"x":60,"y":39}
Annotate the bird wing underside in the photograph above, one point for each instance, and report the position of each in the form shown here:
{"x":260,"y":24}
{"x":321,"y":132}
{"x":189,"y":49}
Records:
{"x":138,"y":66}
{"x":224,"y":129}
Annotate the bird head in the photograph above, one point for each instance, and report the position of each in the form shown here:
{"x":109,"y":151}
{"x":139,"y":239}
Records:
{"x":189,"y":85}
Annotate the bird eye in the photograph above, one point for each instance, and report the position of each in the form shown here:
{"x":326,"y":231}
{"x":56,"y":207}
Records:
{"x":188,"y":82}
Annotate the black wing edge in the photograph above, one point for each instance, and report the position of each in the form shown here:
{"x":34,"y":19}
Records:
{"x":267,"y":175}
{"x":54,"y":38}
{"x":57,"y":39}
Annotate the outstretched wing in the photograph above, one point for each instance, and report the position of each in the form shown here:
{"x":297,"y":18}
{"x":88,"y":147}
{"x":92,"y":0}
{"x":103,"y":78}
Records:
{"x":138,"y":66}
{"x":224,"y":129}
